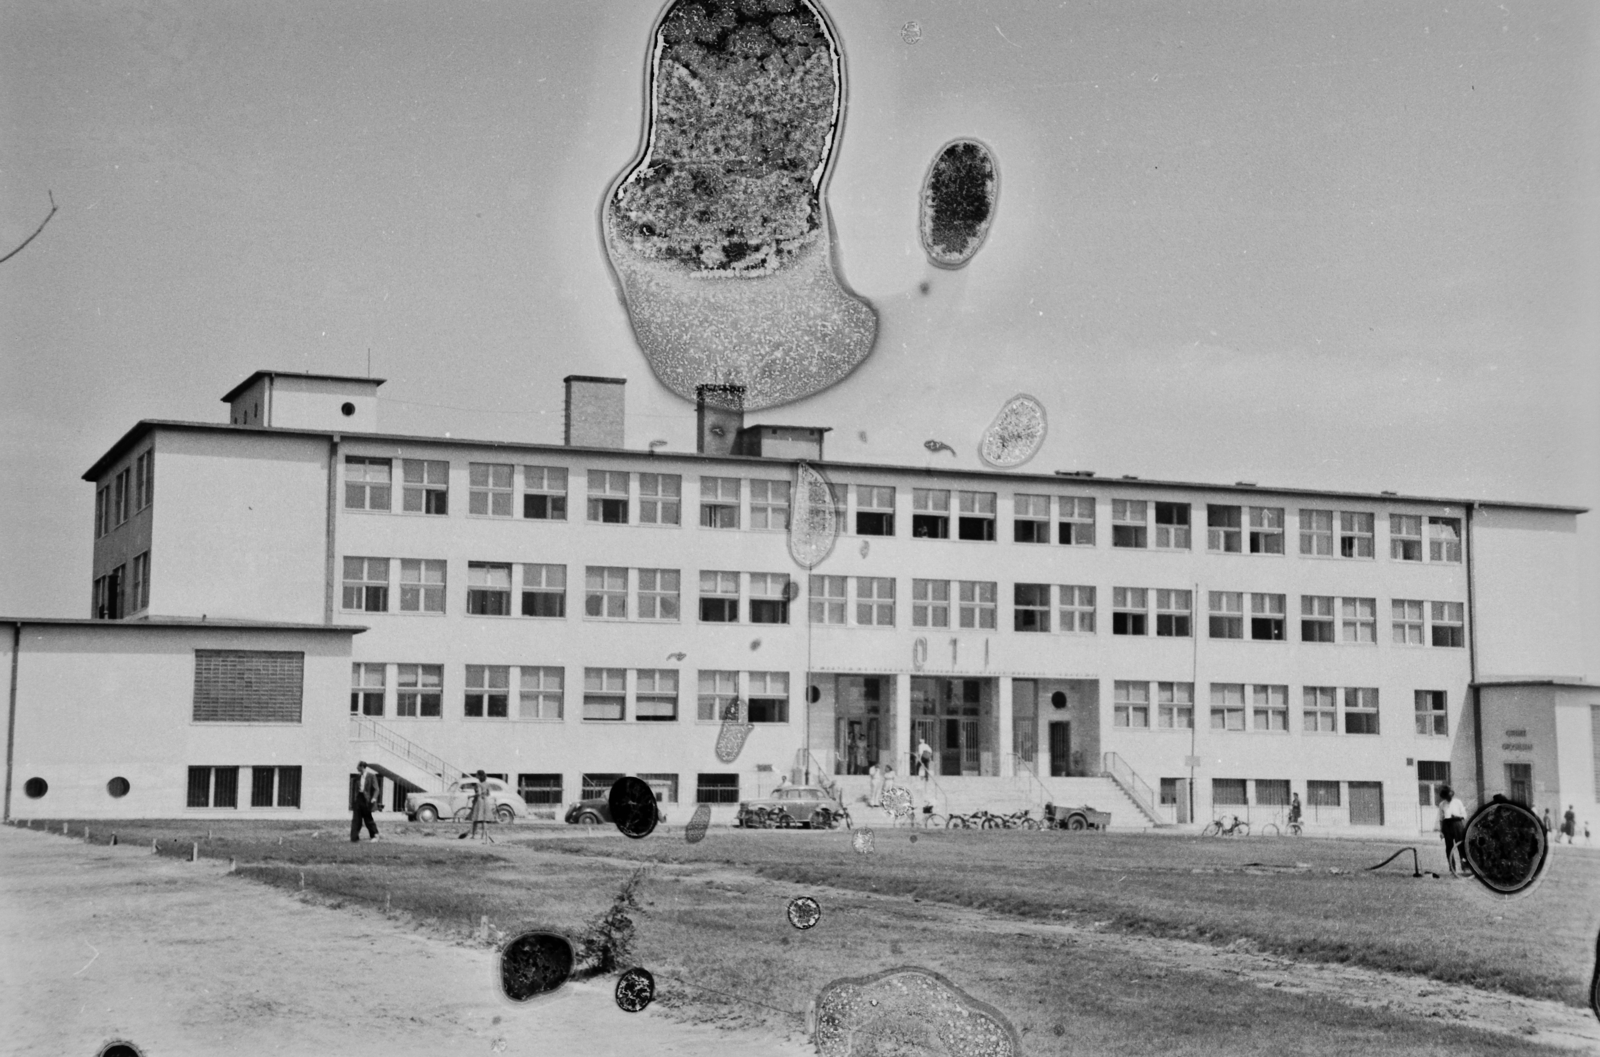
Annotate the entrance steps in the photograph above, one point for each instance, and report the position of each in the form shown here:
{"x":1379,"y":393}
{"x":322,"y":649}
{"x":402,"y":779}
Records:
{"x":1004,"y":796}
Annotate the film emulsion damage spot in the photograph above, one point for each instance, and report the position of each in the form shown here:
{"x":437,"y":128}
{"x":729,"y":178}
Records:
{"x":731,"y":737}
{"x":1015,"y":435}
{"x":1506,"y":847}
{"x":804,"y":912}
{"x":535,"y":963}
{"x":862,"y":841}
{"x":636,"y":989}
{"x":814,"y":525}
{"x":120,"y":1048}
{"x":909,"y":1010}
{"x":958,"y":202}
{"x":633,"y":807}
{"x":699,"y":823}
{"x":897,"y":801}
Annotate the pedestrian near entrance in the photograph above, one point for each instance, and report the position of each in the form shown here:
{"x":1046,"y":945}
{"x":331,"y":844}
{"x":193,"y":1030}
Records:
{"x":1546,"y":821}
{"x":369,"y":791}
{"x":874,"y":786}
{"x":482,"y":810}
{"x":1453,"y":828}
{"x":1294,"y":809}
{"x":924,"y":759}
{"x":1569,"y":825}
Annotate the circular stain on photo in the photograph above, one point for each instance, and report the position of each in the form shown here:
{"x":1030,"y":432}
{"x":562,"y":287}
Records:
{"x":120,"y":1048}
{"x":633,"y":807}
{"x":1506,"y":846}
{"x":804,"y":912}
{"x":635,"y":990}
{"x":862,"y":841}
{"x":535,"y":963}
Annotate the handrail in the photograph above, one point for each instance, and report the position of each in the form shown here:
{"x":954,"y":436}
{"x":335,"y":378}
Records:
{"x":1022,"y":768}
{"x":1137,"y":789}
{"x":365,"y":729}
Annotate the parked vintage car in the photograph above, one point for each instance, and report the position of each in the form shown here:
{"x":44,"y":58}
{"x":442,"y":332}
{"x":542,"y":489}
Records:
{"x":597,"y":810}
{"x":801,"y":805}
{"x":1075,"y":818}
{"x":456,"y":802}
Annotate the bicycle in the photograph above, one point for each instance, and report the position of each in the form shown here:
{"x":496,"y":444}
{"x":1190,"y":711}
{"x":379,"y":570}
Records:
{"x":1217,"y":829}
{"x":934,"y":820}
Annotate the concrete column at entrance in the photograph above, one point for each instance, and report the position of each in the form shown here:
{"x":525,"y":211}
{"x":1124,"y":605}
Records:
{"x":1003,"y":710}
{"x":902,"y":745}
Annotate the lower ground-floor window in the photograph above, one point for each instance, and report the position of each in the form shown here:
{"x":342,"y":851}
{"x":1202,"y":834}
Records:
{"x":1272,"y":792}
{"x":717,"y":789}
{"x":1228,"y":792}
{"x":273,"y":786}
{"x":539,"y":788}
{"x":598,"y":786}
{"x":214,"y":787}
{"x":1366,"y":803}
{"x":664,"y":785}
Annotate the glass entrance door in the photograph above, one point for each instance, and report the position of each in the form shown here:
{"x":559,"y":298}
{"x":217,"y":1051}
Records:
{"x":1060,"y":748}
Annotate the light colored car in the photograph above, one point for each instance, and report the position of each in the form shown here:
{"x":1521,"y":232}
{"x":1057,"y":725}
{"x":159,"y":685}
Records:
{"x":456,"y":802}
{"x":801,"y":805}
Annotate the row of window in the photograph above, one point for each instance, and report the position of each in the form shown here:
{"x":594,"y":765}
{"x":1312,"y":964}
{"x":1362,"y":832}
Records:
{"x":270,"y":786}
{"x":546,"y":790}
{"x":1274,"y":793}
{"x":1142,"y":705}
{"x":617,"y":592}
{"x":116,"y":595}
{"x":129,"y":492}
{"x":538,"y":692}
{"x":936,"y":513}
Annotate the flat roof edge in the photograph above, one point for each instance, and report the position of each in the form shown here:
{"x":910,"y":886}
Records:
{"x":184,"y":622}
{"x":242,"y":386}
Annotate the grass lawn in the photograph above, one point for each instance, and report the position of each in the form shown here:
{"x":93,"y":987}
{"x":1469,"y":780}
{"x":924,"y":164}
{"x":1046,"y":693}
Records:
{"x":723,"y":952}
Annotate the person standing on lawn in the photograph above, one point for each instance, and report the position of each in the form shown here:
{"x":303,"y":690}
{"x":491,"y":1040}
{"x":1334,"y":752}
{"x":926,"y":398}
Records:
{"x":369,"y":791}
{"x":1453,"y":828}
{"x":1569,"y":825}
{"x":1294,"y":809}
{"x":874,"y":786}
{"x":482,"y":810}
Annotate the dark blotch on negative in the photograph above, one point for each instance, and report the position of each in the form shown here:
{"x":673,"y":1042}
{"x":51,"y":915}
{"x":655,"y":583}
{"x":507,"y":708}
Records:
{"x":534,"y":963}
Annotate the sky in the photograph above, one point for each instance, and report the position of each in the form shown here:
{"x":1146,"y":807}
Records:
{"x":1342,"y":246}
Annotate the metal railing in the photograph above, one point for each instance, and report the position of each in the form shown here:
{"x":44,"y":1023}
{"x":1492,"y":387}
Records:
{"x":1138,"y":790}
{"x":1028,"y":776}
{"x":364,"y":729}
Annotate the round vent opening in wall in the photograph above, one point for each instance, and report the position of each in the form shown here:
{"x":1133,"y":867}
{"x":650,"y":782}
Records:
{"x":118,"y":787}
{"x":1058,"y":699}
{"x":35,"y":788}
{"x":347,"y":409}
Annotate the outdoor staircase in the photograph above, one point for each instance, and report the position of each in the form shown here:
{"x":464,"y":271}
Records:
{"x":400,"y":759}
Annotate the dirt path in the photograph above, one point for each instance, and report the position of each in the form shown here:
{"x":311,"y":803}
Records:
{"x":181,"y":958}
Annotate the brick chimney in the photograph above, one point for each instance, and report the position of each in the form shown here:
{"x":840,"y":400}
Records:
{"x":718,"y":418}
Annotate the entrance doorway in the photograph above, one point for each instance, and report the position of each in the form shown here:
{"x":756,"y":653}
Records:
{"x":1519,"y":783}
{"x":955,"y":716}
{"x":1060,"y":748}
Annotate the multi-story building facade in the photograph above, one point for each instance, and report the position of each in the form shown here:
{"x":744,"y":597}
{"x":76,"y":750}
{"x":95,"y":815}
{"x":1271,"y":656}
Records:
{"x":563,"y":614}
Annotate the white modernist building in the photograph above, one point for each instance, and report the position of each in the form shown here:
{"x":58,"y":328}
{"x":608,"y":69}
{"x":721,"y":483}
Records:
{"x":561,"y":615}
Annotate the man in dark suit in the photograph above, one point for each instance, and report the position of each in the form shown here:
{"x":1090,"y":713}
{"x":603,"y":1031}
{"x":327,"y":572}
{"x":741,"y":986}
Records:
{"x":369,"y":791}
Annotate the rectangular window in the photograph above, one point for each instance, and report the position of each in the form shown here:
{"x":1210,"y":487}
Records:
{"x":1323,"y":794}
{"x":604,"y":693}
{"x":1358,"y":619}
{"x":655,"y":695}
{"x":719,"y":502}
{"x":1432,"y":716}
{"x":1316,"y":618}
{"x":488,"y":589}
{"x":1272,"y":792}
{"x":769,"y":504}
{"x":366,"y":585}
{"x":1175,"y":703}
{"x":658,"y":594}
{"x":719,"y":597}
{"x":140,"y":597}
{"x":489,"y":488}
{"x":544,"y":493}
{"x":1269,"y":706}
{"x":289,"y":786}
{"x":1316,"y":532}
{"x":1031,"y":518}
{"x":976,"y":521}
{"x":1174,"y":613}
{"x":1077,"y":608}
{"x":930,"y":513}
{"x":122,"y":495}
{"x":716,"y":789}
{"x":1172,"y":526}
{"x":660,"y":498}
{"x":366,"y":689}
{"x":1449,"y":623}
{"x":1361,"y":710}
{"x":425,"y":486}
{"x":1128,"y":517}
{"x":597,"y":786}
{"x":875,"y":601}
{"x":1444,"y":539}
{"x":539,"y":790}
{"x":1227,"y":706}
{"x":421,"y":585}
{"x":719,"y":693}
{"x":1266,"y":530}
{"x":367,"y":483}
{"x":1405,"y":537}
{"x":828,"y":601}
{"x":1030,"y":608}
{"x":1129,"y":610}
{"x":214,"y":787}
{"x":488,"y":691}
{"x":930,"y":603}
{"x":1266,"y":618}
{"x":874,"y":510}
{"x":1076,"y":527}
{"x":544,"y":590}
{"x":1228,"y":792}
{"x":1131,"y":704}
{"x":769,"y":598}
{"x":540,"y":692}
{"x":199,"y":787}
{"x":1227,"y":614}
{"x":102,"y":506}
{"x":665,"y":786}
{"x":1318,"y":710}
{"x":144,"y":480}
{"x":1355,"y":535}
{"x":248,"y":686}
{"x":768,"y":697}
{"x":419,"y":690}
{"x":1223,"y":529}
{"x":605,"y":592}
{"x":1366,"y":803}
{"x":977,"y":604}
{"x":608,"y":496}
{"x":1405,"y":621}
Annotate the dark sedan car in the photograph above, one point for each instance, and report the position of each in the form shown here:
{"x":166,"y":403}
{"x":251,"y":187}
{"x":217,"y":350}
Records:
{"x":598,"y":810}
